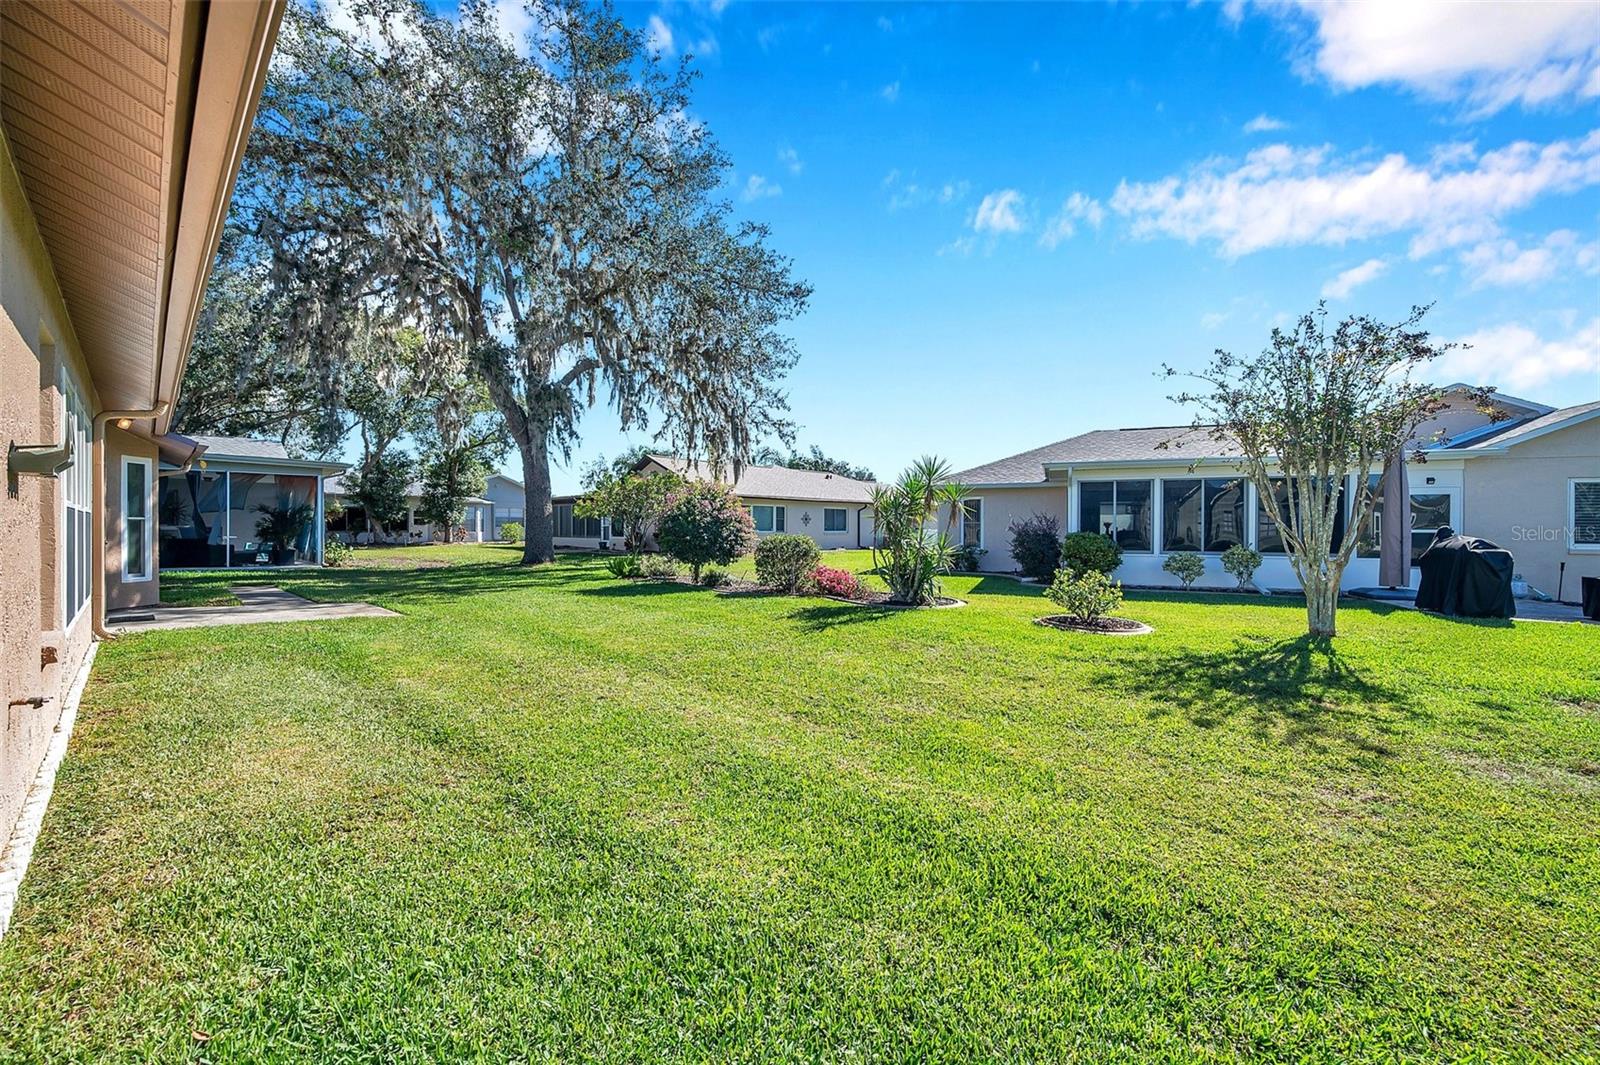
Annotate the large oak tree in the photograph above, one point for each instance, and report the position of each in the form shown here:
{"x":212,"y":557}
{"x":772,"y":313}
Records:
{"x":548,"y":203}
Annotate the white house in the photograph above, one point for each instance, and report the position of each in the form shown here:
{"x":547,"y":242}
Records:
{"x":351,"y":526}
{"x":1530,"y":482}
{"x":833,"y":510}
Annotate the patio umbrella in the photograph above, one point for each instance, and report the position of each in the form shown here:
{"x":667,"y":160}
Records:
{"x":1394,"y":545}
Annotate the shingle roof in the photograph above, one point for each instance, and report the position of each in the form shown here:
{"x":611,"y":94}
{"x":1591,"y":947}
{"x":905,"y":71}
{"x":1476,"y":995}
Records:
{"x":1177,"y":443}
{"x":778,"y":482}
{"x":241,"y":447}
{"x":1511,"y":432}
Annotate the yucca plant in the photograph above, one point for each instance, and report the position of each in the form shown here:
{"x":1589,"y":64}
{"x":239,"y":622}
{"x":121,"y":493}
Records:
{"x":911,"y":550}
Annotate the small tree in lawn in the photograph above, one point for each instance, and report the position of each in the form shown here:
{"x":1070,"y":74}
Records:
{"x":909,"y":555}
{"x":447,"y":483}
{"x":379,"y":489}
{"x":1318,"y":406}
{"x":638,"y":499}
{"x":703,"y":524}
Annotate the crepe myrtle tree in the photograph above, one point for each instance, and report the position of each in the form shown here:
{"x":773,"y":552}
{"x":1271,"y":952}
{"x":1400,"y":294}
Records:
{"x":547,"y":199}
{"x":1319,"y":405}
{"x":637,"y":500}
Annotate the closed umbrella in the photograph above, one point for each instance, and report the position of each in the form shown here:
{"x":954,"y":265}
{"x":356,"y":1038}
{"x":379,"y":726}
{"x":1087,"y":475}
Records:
{"x":1394,"y":544}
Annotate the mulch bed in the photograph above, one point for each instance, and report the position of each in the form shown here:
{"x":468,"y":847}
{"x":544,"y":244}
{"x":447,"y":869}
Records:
{"x":1100,"y":627}
{"x":881,"y":599}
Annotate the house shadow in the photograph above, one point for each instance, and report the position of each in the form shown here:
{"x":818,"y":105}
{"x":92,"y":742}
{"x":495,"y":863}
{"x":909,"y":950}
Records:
{"x":1006,"y":586}
{"x":1298,"y":692}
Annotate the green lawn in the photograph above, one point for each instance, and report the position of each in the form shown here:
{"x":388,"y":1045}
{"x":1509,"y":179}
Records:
{"x":550,"y":815}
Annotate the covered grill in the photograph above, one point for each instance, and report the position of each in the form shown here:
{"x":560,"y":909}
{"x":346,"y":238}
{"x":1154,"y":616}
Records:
{"x":1466,"y":576}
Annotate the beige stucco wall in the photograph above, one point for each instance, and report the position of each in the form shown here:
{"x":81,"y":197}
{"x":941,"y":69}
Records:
{"x":35,"y":339}
{"x":795,"y":512}
{"x":122,"y":594}
{"x":1519,"y":499}
{"x":1002,"y":506}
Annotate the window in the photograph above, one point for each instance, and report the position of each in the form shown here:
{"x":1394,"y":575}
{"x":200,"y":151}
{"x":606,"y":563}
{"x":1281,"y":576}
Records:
{"x":1585,"y":524}
{"x":1202,"y":514}
{"x":1268,"y":540}
{"x":834,"y":519}
{"x":768,"y":518}
{"x":1117,"y":509}
{"x":972,"y":523}
{"x":77,"y":485}
{"x":561,"y":518}
{"x":136,"y":539}
{"x":1430,"y":511}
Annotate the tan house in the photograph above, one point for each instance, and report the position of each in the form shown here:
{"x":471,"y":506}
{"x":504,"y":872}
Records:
{"x":834,"y":511}
{"x":121,"y":131}
{"x":1529,"y":482}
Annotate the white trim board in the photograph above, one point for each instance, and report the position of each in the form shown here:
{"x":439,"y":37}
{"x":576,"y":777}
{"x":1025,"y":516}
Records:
{"x":19,"y":850}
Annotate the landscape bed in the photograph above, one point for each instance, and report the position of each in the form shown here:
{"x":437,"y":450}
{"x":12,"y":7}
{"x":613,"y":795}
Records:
{"x":550,"y":814}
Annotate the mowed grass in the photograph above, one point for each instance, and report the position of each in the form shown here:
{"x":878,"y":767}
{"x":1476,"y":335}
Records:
{"x":548,"y":815}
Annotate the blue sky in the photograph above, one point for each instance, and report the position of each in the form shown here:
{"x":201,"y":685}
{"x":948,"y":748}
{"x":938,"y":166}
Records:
{"x":1014,"y":214}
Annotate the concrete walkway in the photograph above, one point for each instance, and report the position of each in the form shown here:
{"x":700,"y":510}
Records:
{"x":257,"y":604}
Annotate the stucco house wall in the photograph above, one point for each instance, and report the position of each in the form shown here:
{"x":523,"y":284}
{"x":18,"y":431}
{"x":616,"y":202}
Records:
{"x":1521,"y":500}
{"x":122,"y":594}
{"x":39,"y":654}
{"x":1001,"y":507}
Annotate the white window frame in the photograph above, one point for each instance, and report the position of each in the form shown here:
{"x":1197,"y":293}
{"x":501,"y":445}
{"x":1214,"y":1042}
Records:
{"x":76,"y":484}
{"x":844,"y":515}
{"x":777,"y":517}
{"x":961,"y":529}
{"x":1572,"y":515}
{"x":148,"y":520}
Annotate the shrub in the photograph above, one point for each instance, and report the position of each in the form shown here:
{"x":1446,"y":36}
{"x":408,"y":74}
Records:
{"x":1242,"y":562}
{"x":716,"y":578}
{"x":624,"y":566}
{"x":907,"y":554}
{"x":826,"y":580}
{"x":964,"y":558}
{"x":336,"y":553}
{"x":1036,"y":545}
{"x":1185,"y":565}
{"x":511,"y":531}
{"x":783,"y":561}
{"x":1087,"y":598}
{"x":703,"y":523}
{"x":1083,"y":551}
{"x":656,"y":566}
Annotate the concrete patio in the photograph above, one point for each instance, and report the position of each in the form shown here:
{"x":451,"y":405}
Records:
{"x":257,"y":604}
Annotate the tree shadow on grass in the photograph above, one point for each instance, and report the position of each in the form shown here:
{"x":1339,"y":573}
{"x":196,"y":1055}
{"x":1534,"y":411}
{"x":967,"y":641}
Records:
{"x":1006,"y":586}
{"x":1297,"y":692}
{"x":830,"y":615}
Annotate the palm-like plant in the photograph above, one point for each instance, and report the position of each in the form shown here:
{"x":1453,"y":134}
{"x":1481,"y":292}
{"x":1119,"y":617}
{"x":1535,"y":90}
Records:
{"x":912,"y":550}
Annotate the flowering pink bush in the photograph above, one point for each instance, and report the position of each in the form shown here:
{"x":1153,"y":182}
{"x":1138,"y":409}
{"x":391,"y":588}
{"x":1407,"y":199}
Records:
{"x":829,"y":581}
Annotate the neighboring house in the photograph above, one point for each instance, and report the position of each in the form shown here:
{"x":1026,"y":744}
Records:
{"x":506,"y":502}
{"x":121,"y":130}
{"x":834,"y":511}
{"x":351,"y":525}
{"x":1530,"y":482}
{"x":208,"y":511}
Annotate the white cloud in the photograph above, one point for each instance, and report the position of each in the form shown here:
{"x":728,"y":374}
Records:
{"x":1000,"y":212}
{"x":1504,"y":262}
{"x":1512,"y":357}
{"x":1214,"y":319}
{"x":791,"y":160}
{"x":885,"y":23}
{"x":1281,"y":196}
{"x":890,"y":92}
{"x":1350,"y":280}
{"x":1487,"y":55}
{"x":757,"y":187}
{"x":1265,"y":124}
{"x":658,"y":36}
{"x":1077,"y":208}
{"x":912,"y":193}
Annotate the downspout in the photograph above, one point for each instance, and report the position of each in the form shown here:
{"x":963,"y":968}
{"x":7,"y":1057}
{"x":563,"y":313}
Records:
{"x":97,"y":594}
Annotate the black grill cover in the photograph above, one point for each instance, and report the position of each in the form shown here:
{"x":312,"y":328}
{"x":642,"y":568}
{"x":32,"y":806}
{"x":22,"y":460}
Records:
{"x":1466,"y":576}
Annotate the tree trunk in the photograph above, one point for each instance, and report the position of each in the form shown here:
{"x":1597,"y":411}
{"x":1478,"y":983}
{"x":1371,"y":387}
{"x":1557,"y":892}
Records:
{"x":538,"y":533}
{"x":1322,"y":603}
